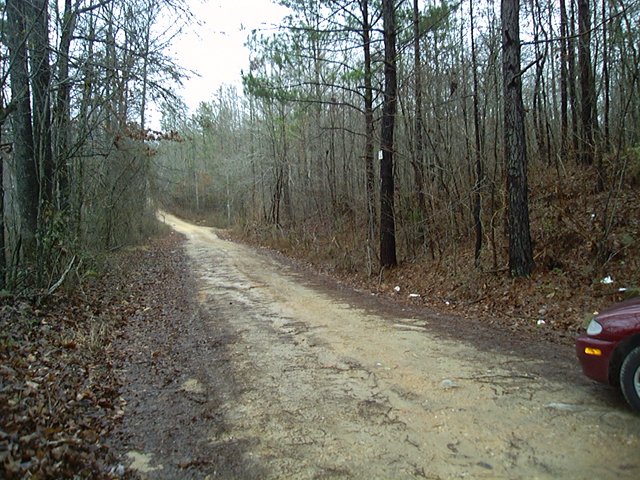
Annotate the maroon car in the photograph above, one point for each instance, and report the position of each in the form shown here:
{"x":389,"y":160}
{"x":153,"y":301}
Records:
{"x":609,"y":351}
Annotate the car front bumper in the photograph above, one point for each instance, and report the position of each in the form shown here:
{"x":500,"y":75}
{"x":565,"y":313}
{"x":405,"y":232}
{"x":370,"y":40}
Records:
{"x":594,"y":356}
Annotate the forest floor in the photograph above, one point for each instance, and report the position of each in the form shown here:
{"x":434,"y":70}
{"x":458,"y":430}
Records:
{"x":198,"y":357}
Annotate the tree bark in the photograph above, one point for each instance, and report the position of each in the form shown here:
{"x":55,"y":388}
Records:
{"x":587,"y":85}
{"x":520,"y":250}
{"x":369,"y":131}
{"x":479,"y":150}
{"x":387,"y":189}
{"x":41,"y":79}
{"x":23,"y":151}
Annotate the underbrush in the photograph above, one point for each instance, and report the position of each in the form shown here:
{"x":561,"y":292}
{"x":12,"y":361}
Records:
{"x":586,"y":249}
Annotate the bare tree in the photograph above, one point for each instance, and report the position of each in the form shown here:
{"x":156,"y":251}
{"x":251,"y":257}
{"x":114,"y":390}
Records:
{"x":38,"y":40}
{"x":369,"y":130}
{"x":418,"y":158}
{"x":23,"y":147}
{"x":588,"y":120}
{"x":520,"y":250}
{"x":387,"y":189}
{"x":564,"y":80}
{"x":479,"y":149}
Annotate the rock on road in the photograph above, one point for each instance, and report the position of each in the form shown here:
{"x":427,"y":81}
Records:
{"x":296,"y":381}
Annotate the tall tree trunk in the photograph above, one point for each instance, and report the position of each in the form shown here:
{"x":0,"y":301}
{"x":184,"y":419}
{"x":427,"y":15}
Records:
{"x":418,"y":159}
{"x":573,"y":93}
{"x":4,"y":113}
{"x":520,"y":249}
{"x":369,"y":132}
{"x":86,"y":117}
{"x":564,"y":110}
{"x":62,"y":114}
{"x":587,"y":85}
{"x":3,"y":253}
{"x":479,"y":150}
{"x":23,"y":152}
{"x":606,"y":141}
{"x":41,"y":79}
{"x":286,"y":176}
{"x":387,"y":189}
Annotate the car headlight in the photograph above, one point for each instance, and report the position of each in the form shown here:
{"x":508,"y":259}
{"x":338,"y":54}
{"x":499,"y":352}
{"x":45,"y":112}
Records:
{"x":594,"y":328}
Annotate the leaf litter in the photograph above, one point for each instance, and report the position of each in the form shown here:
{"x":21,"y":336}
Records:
{"x":59,"y":380}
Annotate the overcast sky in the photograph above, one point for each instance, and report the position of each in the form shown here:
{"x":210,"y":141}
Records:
{"x":215,"y":49}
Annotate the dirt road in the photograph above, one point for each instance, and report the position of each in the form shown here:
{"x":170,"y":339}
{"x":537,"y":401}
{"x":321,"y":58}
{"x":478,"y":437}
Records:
{"x":273,"y":375}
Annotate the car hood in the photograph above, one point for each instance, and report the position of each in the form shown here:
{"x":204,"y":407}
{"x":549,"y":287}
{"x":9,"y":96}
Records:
{"x":629,"y":307}
{"x":621,"y":319}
